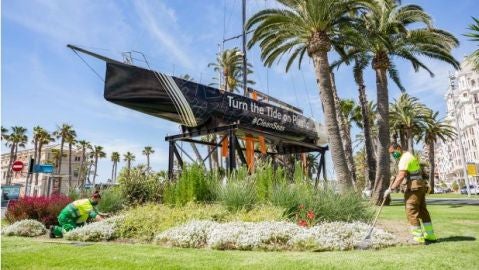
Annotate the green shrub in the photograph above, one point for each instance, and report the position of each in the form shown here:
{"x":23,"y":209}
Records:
{"x":236,"y":195}
{"x":194,"y":185}
{"x":264,"y":179}
{"x":112,"y":200}
{"x":328,"y":205}
{"x":290,"y":195}
{"x":146,"y":221}
{"x":139,"y":187}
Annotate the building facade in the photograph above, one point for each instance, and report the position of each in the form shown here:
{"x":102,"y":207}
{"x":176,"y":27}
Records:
{"x":462,"y":99}
{"x":46,"y":183}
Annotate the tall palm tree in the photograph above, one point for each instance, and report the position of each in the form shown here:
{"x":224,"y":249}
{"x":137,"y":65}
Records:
{"x":312,"y":27}
{"x":71,"y":140}
{"x":57,"y":156}
{"x":128,"y":157}
{"x":474,"y":35}
{"x":115,"y":158}
{"x":41,"y":138}
{"x":407,"y":117}
{"x":147,"y":151}
{"x":349,"y":113}
{"x":97,"y":153}
{"x":17,"y":138}
{"x":361,"y":61}
{"x":230,"y":64}
{"x":63,"y":132}
{"x":84,"y":145}
{"x":386,"y":33}
{"x":435,"y":129}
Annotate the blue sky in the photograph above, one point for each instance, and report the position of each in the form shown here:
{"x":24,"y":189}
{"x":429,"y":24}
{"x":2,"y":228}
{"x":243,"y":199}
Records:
{"x":46,"y":84}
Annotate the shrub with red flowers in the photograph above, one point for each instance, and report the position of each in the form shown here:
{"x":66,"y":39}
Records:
{"x":305,"y":218}
{"x":43,"y":209}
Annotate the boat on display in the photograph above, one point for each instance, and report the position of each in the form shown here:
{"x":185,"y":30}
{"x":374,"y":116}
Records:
{"x":196,"y":106}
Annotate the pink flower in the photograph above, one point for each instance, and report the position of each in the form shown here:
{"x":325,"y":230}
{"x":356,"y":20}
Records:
{"x":310,"y":214}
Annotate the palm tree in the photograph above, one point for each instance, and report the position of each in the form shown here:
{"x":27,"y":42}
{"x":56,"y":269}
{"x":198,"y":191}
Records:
{"x":41,"y":138}
{"x":97,"y":153}
{"x":84,"y":145}
{"x":383,"y":34}
{"x":312,"y":27}
{"x":128,"y":157}
{"x":115,"y":158}
{"x":71,"y":140}
{"x":63,"y":132}
{"x":17,"y":138}
{"x":4,"y":133}
{"x":407,"y":116}
{"x":435,"y":129}
{"x":57,"y":156}
{"x":362,"y":60}
{"x":474,"y":35}
{"x":147,"y":151}
{"x":349,"y":113}
{"x":230,"y":65}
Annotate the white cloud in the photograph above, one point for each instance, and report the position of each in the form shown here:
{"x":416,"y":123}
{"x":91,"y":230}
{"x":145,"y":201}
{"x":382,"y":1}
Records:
{"x":158,"y":31}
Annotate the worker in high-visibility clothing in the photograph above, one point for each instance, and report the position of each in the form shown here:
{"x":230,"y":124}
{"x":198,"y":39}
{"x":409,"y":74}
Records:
{"x":411,"y":180}
{"x":75,"y":214}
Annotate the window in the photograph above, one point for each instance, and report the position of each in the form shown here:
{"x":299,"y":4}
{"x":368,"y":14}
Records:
{"x":473,"y":83}
{"x":476,"y":98}
{"x":77,"y":158}
{"x":464,"y":94}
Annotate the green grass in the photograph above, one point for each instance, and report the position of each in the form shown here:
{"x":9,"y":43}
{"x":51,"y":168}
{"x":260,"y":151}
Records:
{"x":454,"y":225}
{"x":440,"y":196}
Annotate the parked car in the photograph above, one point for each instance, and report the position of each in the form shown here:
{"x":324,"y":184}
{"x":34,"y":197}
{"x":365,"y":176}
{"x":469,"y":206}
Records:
{"x":439,"y":190}
{"x":472,"y":188}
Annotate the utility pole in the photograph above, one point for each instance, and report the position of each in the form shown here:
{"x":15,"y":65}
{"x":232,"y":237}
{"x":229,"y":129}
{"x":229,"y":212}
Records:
{"x":245,"y":68}
{"x":452,"y":82}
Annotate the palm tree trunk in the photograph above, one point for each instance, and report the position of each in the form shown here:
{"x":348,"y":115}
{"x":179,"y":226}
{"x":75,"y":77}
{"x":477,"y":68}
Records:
{"x":410,"y":140}
{"x":69,"y":165}
{"x":39,"y":156}
{"x":344,"y":131}
{"x":60,"y":164}
{"x":370,"y":171}
{"x":432,"y":166}
{"x":402,"y":138}
{"x":113,"y":172}
{"x":81,"y":177}
{"x":116,"y":170}
{"x":148,"y":161}
{"x":382,"y":165}
{"x":96,"y":167}
{"x":322,"y":70}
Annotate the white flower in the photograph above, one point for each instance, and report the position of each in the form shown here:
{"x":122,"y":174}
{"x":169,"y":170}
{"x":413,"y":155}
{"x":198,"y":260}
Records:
{"x":272,"y":236}
{"x":97,"y":231}
{"x":26,"y":227}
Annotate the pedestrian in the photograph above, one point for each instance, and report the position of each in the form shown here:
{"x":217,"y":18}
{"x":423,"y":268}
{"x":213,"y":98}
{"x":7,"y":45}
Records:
{"x":75,"y":214}
{"x":415,"y":187}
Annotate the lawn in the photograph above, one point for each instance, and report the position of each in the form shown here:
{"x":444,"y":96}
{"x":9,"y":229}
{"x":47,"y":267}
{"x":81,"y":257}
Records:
{"x":456,"y":226}
{"x":441,"y":196}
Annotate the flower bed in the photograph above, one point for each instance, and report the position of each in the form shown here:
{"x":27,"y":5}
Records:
{"x":97,"y":231}
{"x":26,"y":227}
{"x":272,"y":236}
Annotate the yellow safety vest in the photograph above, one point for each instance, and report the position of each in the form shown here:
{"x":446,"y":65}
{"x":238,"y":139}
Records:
{"x":84,"y":209}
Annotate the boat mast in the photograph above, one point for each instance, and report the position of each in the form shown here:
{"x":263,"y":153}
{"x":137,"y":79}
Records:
{"x":245,"y":68}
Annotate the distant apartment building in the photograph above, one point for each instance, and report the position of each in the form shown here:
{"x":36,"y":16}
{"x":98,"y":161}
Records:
{"x":462,"y":100}
{"x":47,"y":183}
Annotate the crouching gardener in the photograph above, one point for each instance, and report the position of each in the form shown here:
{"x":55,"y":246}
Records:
{"x":415,"y":189}
{"x":75,"y":214}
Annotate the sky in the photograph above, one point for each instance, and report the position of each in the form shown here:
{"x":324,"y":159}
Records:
{"x":44,"y":83}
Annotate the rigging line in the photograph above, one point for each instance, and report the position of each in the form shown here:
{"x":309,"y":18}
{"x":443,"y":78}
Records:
{"x":229,"y":19}
{"x":88,"y":65}
{"x":294,"y":90}
{"x":307,"y":94}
